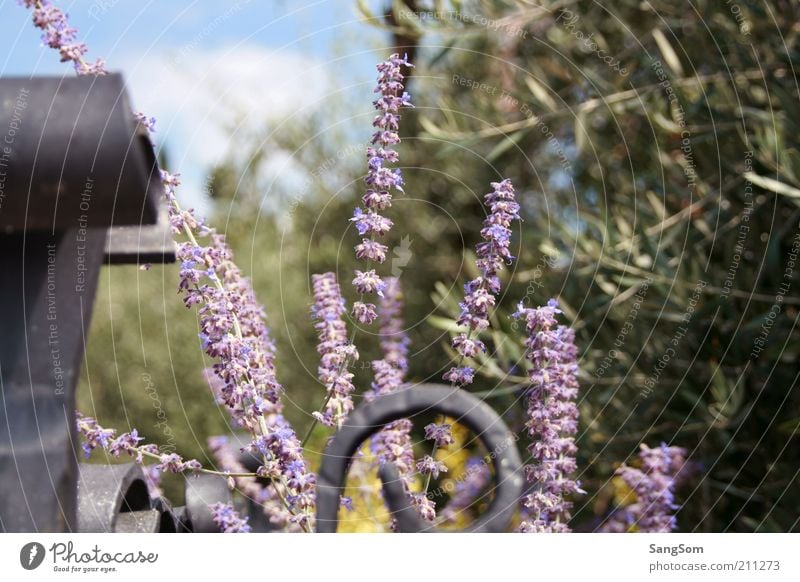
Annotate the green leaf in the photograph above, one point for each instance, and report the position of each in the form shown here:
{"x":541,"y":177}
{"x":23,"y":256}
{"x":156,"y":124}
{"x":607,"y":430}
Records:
{"x":505,"y":144}
{"x":366,"y":12}
{"x":405,"y":17}
{"x":443,"y":323}
{"x":442,"y":53}
{"x":773,"y":185}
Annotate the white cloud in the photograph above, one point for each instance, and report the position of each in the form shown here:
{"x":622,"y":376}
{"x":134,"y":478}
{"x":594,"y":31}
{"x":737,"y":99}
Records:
{"x":202,"y":98}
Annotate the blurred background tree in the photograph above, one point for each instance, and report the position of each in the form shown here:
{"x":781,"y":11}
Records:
{"x":653,"y":145}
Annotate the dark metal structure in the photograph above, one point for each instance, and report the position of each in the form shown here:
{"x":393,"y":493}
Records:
{"x":115,"y":499}
{"x":369,"y":418}
{"x":74,"y":163}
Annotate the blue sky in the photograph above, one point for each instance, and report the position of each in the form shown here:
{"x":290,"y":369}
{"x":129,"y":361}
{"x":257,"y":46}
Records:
{"x":201,"y":66}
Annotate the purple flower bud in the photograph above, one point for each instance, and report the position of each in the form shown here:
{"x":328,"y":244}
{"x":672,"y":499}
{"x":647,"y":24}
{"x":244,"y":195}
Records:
{"x":424,"y":506}
{"x":469,"y":348}
{"x":371,"y":222}
{"x":125,"y":443}
{"x":96,"y":436}
{"x":441,"y":434}
{"x":147,"y":123}
{"x":371,"y":250}
{"x":374,"y":200}
{"x":460,"y":375}
{"x":364,"y":313}
{"x":171,"y":462}
{"x":228,"y":519}
{"x":430,"y":466}
{"x":368,"y":282}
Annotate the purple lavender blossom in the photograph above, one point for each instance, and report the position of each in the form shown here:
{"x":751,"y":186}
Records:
{"x":430,"y":466}
{"x":380,"y":181}
{"x":371,"y":250}
{"x":149,"y":123}
{"x":233,"y":332}
{"x":228,"y":462}
{"x":152,"y":476}
{"x":174,"y":463}
{"x":469,"y":348}
{"x":228,"y":519}
{"x":424,"y":505}
{"x":368,"y":282}
{"x":232,"y":322}
{"x":654,"y":487}
{"x":335,"y":350}
{"x":552,"y":419}
{"x":125,"y":443}
{"x":393,"y":443}
{"x":467,"y":489}
{"x":93,"y":434}
{"x":462,"y":375}
{"x":390,"y":370}
{"x":480,"y":293}
{"x":106,"y":438}
{"x":364,"y":312}
{"x":59,"y":35}
{"x":440,"y":434}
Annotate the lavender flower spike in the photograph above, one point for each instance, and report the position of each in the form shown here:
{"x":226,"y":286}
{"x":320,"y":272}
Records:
{"x":227,"y":459}
{"x":228,"y":519}
{"x":96,"y":436}
{"x":59,"y":35}
{"x":390,"y":370}
{"x":467,"y":489}
{"x":335,"y":350}
{"x":393,"y":444}
{"x":552,"y":419}
{"x":654,"y":486}
{"x":234,"y":334}
{"x":480,"y":293}
{"x":381,"y":180}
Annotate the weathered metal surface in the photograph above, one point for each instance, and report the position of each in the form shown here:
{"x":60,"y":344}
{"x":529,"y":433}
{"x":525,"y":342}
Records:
{"x":142,"y":243}
{"x":46,"y":295}
{"x":369,"y":418}
{"x":147,"y":521}
{"x":203,"y":491}
{"x":182,"y":521}
{"x":72,"y":152}
{"x":114,"y":498}
{"x":105,"y":492}
{"x":168,"y":519}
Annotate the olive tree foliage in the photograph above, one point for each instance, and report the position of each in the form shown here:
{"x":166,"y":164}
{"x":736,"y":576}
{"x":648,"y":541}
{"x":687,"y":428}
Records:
{"x":655,"y":146}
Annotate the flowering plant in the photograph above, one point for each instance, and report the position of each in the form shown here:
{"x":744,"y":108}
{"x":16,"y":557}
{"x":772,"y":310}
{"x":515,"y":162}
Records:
{"x":244,"y":375}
